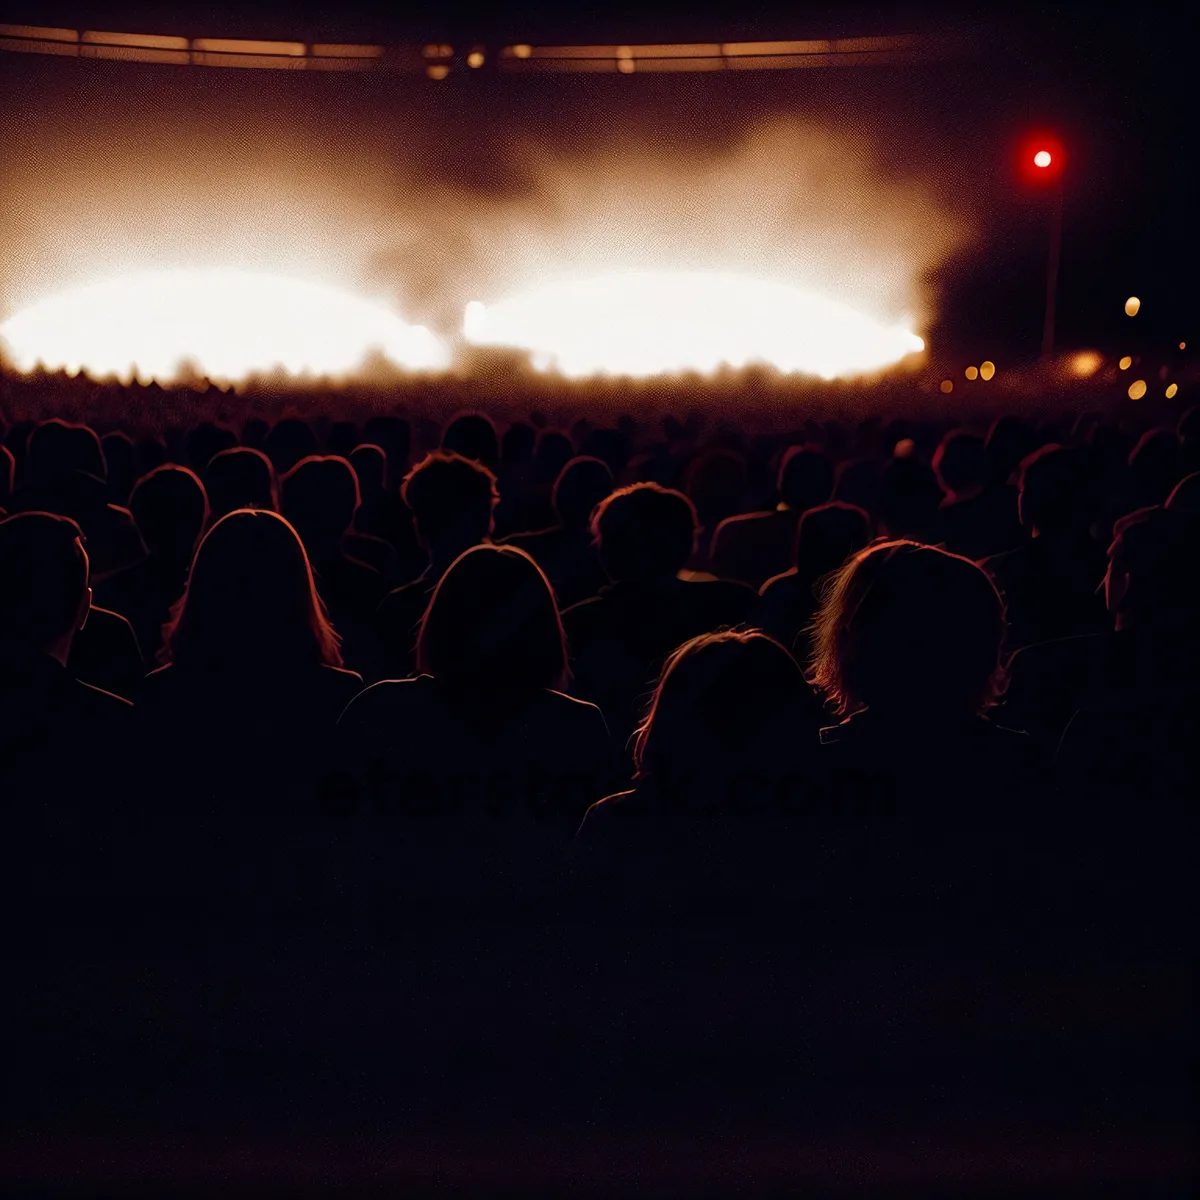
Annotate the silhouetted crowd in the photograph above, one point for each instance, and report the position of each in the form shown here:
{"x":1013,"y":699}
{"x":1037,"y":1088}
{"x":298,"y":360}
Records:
{"x":561,"y":710}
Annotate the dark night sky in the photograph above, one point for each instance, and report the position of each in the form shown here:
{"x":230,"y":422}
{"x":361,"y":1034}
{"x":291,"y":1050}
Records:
{"x":1113,"y":86}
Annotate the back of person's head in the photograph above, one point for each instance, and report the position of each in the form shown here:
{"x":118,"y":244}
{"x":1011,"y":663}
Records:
{"x":492,"y":624}
{"x":8,"y":472}
{"x":170,"y":509}
{"x":240,"y":478}
{"x":1007,"y":444}
{"x":516,"y":446}
{"x":611,"y":446}
{"x":805,"y":477}
{"x":473,"y":436}
{"x":1153,"y":564}
{"x":1154,"y":465}
{"x":120,"y":458}
{"x":645,"y":532}
{"x":205,"y":441}
{"x":961,"y":461}
{"x":827,"y":535}
{"x":716,"y":483}
{"x":341,"y":439}
{"x":580,"y":486}
{"x":725,"y":702}
{"x":452,"y":499}
{"x":394,"y":435}
{"x":857,"y":482}
{"x":909,"y":498}
{"x":255,"y":431}
{"x":1185,"y":496}
{"x":912,"y":629}
{"x":1050,"y":481}
{"x":290,"y":440}
{"x":320,"y":495}
{"x":250,"y":601}
{"x":553,"y":451}
{"x":370,"y":465}
{"x":57,"y":449}
{"x":43,"y":581}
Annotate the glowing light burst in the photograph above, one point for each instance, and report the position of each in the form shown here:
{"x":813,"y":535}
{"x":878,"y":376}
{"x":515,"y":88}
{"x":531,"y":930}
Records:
{"x":227,"y":322}
{"x":648,"y":323}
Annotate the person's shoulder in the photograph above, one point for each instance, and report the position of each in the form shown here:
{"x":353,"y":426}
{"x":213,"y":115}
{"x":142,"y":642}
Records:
{"x":784,"y":582}
{"x":389,"y":696}
{"x":103,"y":704}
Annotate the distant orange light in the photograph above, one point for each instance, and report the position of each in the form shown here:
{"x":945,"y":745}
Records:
{"x":1042,"y":159}
{"x":1172,"y":390}
{"x":1137,"y":389}
{"x":1131,"y":306}
{"x":904,"y":447}
{"x":475,"y":59}
{"x":1125,"y":363}
{"x":1085,"y":363}
{"x":947,"y":385}
{"x":987,"y":370}
{"x":1183,"y":345}
{"x":972,"y":372}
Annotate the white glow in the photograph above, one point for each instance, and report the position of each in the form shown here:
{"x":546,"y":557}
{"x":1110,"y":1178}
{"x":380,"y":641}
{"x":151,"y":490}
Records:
{"x":228,"y":322}
{"x":647,"y":323}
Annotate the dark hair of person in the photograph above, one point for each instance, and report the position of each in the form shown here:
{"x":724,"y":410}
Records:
{"x":492,"y":624}
{"x":908,"y":626}
{"x":250,"y":601}
{"x":645,"y":531}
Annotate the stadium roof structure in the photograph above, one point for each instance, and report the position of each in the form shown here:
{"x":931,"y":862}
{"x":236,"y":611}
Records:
{"x":439,"y":60}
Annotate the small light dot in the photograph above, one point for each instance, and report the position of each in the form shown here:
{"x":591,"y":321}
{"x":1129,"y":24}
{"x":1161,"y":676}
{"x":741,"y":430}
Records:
{"x":475,"y":58}
{"x":1125,"y":363}
{"x":1131,"y":306}
{"x":437,"y":72}
{"x":1172,"y":390}
{"x":904,"y":447}
{"x":972,"y":372}
{"x":1042,"y":158}
{"x":1183,"y":345}
{"x":625,"y":66}
{"x":947,"y":385}
{"x":987,"y":370}
{"x":1137,"y":389}
{"x":522,"y":51}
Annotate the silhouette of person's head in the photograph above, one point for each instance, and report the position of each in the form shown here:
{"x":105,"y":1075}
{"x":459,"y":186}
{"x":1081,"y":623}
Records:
{"x":120,"y":457}
{"x":170,"y":509}
{"x":255,"y":432}
{"x":492,"y":624}
{"x":858,"y":483}
{"x":805,"y":477}
{"x":827,"y":535}
{"x":580,"y":486}
{"x":1185,"y":496}
{"x":909,"y":629}
{"x":553,"y":452}
{"x":1050,"y":483}
{"x":452,"y":500}
{"x":611,"y":446}
{"x":716,"y":482}
{"x":57,"y":450}
{"x":644,"y":532}
{"x":1007,"y":444}
{"x":725,"y":702}
{"x":1152,"y":567}
{"x":320,"y":498}
{"x":516,"y":446}
{"x":289,"y":441}
{"x":44,"y":593}
{"x":473,"y":436}
{"x":961,"y":462}
{"x":342,"y":438}
{"x":250,"y":602}
{"x":370,"y":465}
{"x":394,"y":435}
{"x":205,"y":441}
{"x":240,"y":478}
{"x":909,"y":499}
{"x":1154,"y":466}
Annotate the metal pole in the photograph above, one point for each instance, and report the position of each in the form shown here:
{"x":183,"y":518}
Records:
{"x":1056,"y":221}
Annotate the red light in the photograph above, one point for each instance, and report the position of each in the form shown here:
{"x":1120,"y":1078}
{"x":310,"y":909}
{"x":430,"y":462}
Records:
{"x":1043,"y":159}
{"x":1040,"y":158}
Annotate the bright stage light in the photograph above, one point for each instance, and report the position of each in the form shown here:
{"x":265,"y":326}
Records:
{"x":1132,"y":305}
{"x":1086,"y":363}
{"x":1042,"y":159}
{"x":228,"y":322}
{"x":648,"y":323}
